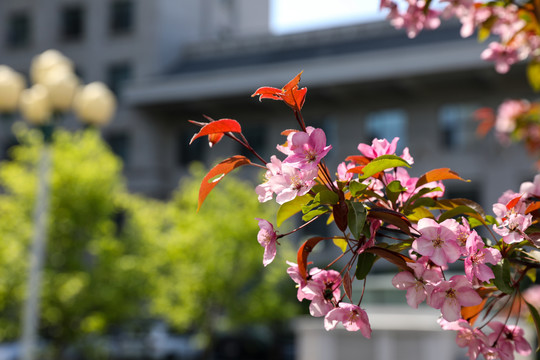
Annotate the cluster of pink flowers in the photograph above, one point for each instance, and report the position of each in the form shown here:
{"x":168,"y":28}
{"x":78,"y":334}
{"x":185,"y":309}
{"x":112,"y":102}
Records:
{"x":516,"y":40}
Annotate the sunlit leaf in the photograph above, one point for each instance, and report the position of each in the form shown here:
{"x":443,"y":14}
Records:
{"x":292,"y":207}
{"x":290,"y":93}
{"x":379,"y":164}
{"x":221,"y":126}
{"x":341,"y":243}
{"x":449,"y":204}
{"x":420,"y":213}
{"x":357,"y":188}
{"x":393,"y":190}
{"x":438,"y":175}
{"x":532,"y":207}
{"x":315,"y":212}
{"x":533,"y":74}
{"x":458,"y":210}
{"x":471,"y":313}
{"x":358,"y":159}
{"x":217,"y":173}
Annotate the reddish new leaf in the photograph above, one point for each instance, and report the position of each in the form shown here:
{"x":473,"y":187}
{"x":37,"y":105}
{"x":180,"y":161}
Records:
{"x":437,"y":175}
{"x":395,"y":258}
{"x":221,"y":127}
{"x":532,"y":207}
{"x":288,"y":131}
{"x":471,"y":313}
{"x":347,"y":285}
{"x":512,"y":203}
{"x":290,"y":93}
{"x":303,"y":253}
{"x":217,"y":173}
{"x":391,"y":217}
{"x":358,"y":159}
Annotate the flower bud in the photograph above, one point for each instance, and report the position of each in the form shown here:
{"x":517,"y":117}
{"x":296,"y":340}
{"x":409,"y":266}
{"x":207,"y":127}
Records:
{"x":95,"y":104}
{"x":35,"y":105}
{"x":47,"y":61}
{"x":11,"y":85}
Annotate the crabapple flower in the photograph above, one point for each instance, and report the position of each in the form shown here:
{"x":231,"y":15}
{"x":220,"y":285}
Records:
{"x":383,"y":147}
{"x":502,"y":55}
{"x":507,"y":339}
{"x":324,"y":292}
{"x":342,"y":174}
{"x":306,"y":149}
{"x":513,"y":222}
{"x":418,"y":285}
{"x":285,"y":181}
{"x":295,"y":275}
{"x":449,"y":296}
{"x":529,"y":189}
{"x":267,"y":237}
{"x":351,"y":316}
{"x":438,"y":241}
{"x":467,"y":336}
{"x":475,"y":263}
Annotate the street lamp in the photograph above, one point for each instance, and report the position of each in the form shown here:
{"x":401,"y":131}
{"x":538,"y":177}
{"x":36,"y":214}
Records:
{"x":56,"y":90}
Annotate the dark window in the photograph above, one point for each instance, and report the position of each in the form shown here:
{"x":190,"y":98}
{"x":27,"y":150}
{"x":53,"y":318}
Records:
{"x":119,"y":143}
{"x":456,"y":125}
{"x":117,"y":75}
{"x":72,"y":23}
{"x":18,"y":31}
{"x":121,"y":17}
{"x":387,"y":124}
{"x":256,"y":136}
{"x":194,"y":152}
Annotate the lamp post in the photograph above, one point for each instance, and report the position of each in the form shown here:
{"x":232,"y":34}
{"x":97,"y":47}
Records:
{"x":53,"y":93}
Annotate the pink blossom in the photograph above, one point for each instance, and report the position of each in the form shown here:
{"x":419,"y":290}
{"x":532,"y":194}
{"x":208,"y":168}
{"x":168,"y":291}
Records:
{"x":285,"y":181}
{"x":306,"y":149}
{"x":351,"y":316}
{"x":449,"y":296}
{"x":475,"y":263}
{"x":463,"y":232}
{"x":507,"y":196}
{"x":415,"y":18}
{"x":342,"y":174}
{"x":267,"y":237}
{"x":508,"y":113}
{"x":529,"y":189}
{"x":507,"y":339}
{"x":295,"y":275}
{"x":438,"y":241}
{"x":418,"y":285}
{"x":383,"y":147}
{"x":467,"y":336}
{"x":512,"y":221}
{"x":502,"y":55}
{"x":324,"y":291}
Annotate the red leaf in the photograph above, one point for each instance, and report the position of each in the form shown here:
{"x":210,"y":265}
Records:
{"x":221,"y":126}
{"x":391,"y":217}
{"x":471,"y":313}
{"x":347,"y":285}
{"x":288,"y":131}
{"x":357,"y":169}
{"x":217,"y":173}
{"x":214,"y":139}
{"x":512,"y":203}
{"x":303,"y":253}
{"x":532,"y":207}
{"x":486,"y":119}
{"x":437,"y":175}
{"x":290,"y":94}
{"x":358,"y":159}
{"x":395,"y":258}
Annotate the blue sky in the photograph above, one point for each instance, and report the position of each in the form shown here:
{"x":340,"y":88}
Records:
{"x":288,"y":16}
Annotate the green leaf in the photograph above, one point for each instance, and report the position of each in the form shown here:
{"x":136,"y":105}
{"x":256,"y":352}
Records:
{"x":315,"y":212}
{"x":393,"y":190}
{"x":341,"y":243}
{"x":364,"y":265}
{"x":382,"y":163}
{"x":531,"y":274}
{"x":356,"y":218}
{"x":292,"y":207}
{"x":536,"y":319}
{"x":502,"y":277}
{"x":533,"y":75}
{"x":459,"y":210}
{"x":357,"y":188}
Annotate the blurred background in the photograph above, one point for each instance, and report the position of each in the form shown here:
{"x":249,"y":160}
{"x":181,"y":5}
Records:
{"x":131,"y":270}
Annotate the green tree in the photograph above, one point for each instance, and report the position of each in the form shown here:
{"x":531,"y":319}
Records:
{"x":92,"y":277}
{"x":209,"y":271}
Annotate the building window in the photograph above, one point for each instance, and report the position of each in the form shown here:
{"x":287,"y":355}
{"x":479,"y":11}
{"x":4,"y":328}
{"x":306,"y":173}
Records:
{"x":18,"y":30}
{"x":119,"y":144}
{"x":456,"y":125}
{"x":72,"y":23}
{"x":117,"y":75}
{"x":188,"y":153}
{"x":256,"y":136}
{"x":387,"y":124}
{"x":121,"y":16}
